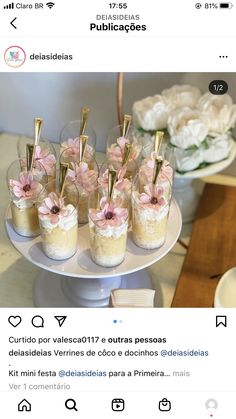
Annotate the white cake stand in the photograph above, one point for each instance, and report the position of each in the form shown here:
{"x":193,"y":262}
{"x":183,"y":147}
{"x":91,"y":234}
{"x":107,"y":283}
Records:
{"x":184,"y":190}
{"x":78,"y":281}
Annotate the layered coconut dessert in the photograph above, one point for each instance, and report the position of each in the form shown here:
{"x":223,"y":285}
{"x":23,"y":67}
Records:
{"x":108,"y":226}
{"x":150,"y":211}
{"x":24,"y":193}
{"x":58,"y":225}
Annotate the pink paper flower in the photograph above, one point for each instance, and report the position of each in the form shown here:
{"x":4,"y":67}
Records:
{"x":148,"y":166}
{"x":72,"y":146}
{"x":110,"y":214}
{"x":153,"y":196}
{"x":26,"y":187}
{"x":116,"y":151}
{"x":122,"y":183}
{"x":47,"y":160}
{"x":53,"y":208}
{"x":82,"y":176}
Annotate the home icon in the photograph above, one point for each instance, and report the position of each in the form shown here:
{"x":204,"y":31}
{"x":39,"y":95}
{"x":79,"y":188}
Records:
{"x":24,"y":406}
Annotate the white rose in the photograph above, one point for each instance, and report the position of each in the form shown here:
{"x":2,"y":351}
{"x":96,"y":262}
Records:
{"x":187,"y":160}
{"x":180,"y":96}
{"x":219,"y":113}
{"x":186,"y":128}
{"x":218,"y":148}
{"x":150,"y":113}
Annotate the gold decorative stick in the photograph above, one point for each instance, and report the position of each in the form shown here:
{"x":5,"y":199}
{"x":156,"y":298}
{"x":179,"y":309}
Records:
{"x":111,"y":183}
{"x":126,"y":125}
{"x":158,"y":140}
{"x":157,"y":168}
{"x":29,"y":156}
{"x":62,"y":177}
{"x":83,"y":119}
{"x":83,"y":139}
{"x":30,"y":148}
{"x":37,"y":130}
{"x":120,"y":82}
{"x":127,"y":152}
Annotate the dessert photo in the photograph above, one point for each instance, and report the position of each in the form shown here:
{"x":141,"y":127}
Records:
{"x":118,"y":190}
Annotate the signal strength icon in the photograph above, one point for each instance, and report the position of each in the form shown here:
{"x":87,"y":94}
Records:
{"x":9,"y":6}
{"x":50,"y":4}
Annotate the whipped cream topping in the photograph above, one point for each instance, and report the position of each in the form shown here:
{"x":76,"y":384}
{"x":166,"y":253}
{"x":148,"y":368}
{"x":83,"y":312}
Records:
{"x":23,"y":203}
{"x":114,"y":232}
{"x":145,"y":213}
{"x":63,"y":222}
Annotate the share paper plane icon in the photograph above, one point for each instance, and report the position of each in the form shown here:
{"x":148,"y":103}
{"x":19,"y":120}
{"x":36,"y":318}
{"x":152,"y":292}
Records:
{"x":60,"y":319}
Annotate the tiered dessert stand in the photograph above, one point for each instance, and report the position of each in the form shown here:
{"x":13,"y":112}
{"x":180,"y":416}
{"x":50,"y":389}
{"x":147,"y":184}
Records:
{"x":78,"y":281}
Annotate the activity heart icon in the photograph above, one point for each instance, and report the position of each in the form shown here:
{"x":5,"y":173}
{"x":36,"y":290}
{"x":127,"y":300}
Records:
{"x":14,"y":320}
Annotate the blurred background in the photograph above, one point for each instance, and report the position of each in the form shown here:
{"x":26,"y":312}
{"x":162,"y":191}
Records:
{"x":58,"y":98}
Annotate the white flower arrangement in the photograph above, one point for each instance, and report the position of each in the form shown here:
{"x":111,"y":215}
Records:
{"x":199,"y":126}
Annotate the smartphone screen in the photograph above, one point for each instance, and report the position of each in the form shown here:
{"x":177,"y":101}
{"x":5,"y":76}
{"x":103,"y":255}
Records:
{"x":117,"y":255}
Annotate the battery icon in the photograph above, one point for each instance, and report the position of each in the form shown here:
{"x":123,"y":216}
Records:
{"x":226,"y":5}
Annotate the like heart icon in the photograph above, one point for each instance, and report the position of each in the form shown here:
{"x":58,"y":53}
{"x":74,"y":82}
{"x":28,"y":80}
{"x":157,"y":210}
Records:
{"x":14,"y":320}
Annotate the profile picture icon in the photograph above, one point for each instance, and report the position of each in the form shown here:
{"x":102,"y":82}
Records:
{"x":14,"y":56}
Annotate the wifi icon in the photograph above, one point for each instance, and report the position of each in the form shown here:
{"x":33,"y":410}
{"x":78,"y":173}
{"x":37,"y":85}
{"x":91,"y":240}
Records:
{"x":50,"y":4}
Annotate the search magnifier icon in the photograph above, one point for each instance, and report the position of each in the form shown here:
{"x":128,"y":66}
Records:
{"x":71,"y":404}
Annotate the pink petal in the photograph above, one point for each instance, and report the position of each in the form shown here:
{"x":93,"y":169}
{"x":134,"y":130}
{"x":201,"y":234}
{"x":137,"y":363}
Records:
{"x":161,"y":201}
{"x":38,"y":152}
{"x":122,"y":141}
{"x":44,"y":210}
{"x":149,"y":189}
{"x":49,"y":202}
{"x":54,"y":218}
{"x":121,"y":213}
{"x":83,"y":167}
{"x":103,"y":202}
{"x":159,"y":191}
{"x":144,"y":198}
{"x":150,"y":164}
{"x":15,"y":183}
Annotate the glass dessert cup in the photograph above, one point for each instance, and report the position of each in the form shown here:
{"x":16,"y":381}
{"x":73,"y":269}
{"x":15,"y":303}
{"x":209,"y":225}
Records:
{"x":24,"y":188}
{"x":150,"y":210}
{"x":116,"y":144}
{"x":166,"y":175}
{"x":69,"y":140}
{"x":108,"y":226}
{"x":45,"y":155}
{"x":125,"y":176}
{"x":84,"y":178}
{"x":58,"y":220}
